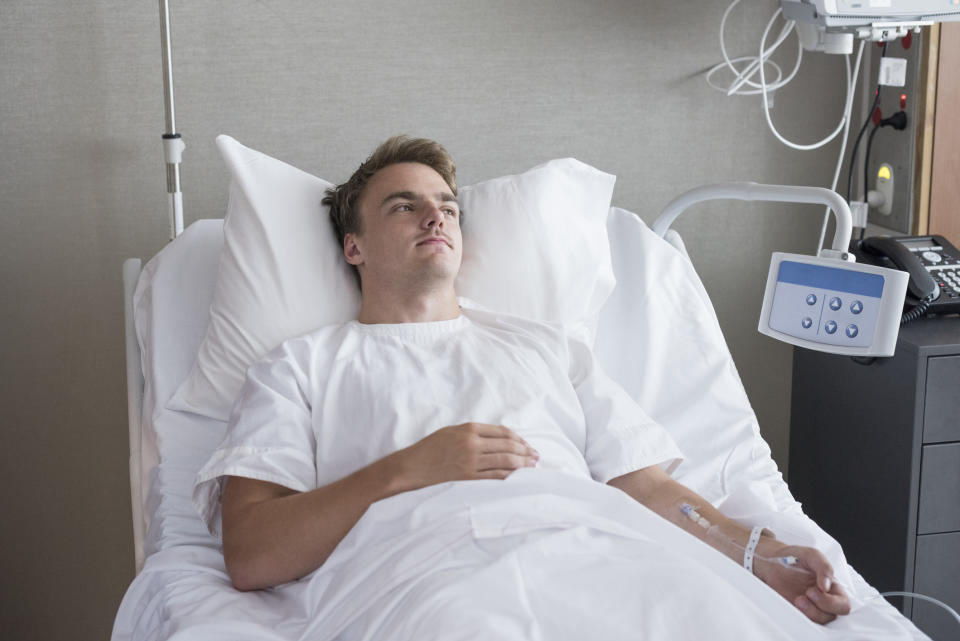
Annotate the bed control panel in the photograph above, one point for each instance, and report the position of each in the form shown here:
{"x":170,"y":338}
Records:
{"x":833,"y":305}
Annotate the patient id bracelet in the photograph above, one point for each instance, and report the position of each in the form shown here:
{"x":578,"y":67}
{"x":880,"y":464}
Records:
{"x":751,"y":549}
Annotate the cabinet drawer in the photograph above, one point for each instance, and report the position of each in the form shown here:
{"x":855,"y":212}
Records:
{"x":939,"y":489}
{"x":937,"y":569}
{"x":941,"y":412}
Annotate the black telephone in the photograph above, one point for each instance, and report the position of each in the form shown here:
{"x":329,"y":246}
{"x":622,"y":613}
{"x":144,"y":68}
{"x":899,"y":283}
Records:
{"x":933,"y":264}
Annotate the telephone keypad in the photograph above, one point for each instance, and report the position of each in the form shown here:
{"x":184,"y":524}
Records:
{"x":942,"y":261}
{"x":948,"y":278}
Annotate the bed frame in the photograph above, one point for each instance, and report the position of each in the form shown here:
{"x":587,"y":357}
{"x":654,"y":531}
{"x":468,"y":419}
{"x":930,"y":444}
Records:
{"x":131,"y":275}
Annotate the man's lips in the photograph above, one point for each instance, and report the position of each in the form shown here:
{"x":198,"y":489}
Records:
{"x":434,"y":239}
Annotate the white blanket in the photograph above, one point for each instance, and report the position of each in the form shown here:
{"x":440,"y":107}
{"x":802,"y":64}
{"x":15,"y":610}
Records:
{"x":542,"y":555}
{"x":678,"y":368}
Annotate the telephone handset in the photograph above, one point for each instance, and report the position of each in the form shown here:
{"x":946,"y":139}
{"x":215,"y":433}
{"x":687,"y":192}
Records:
{"x":933,"y":264}
{"x":922,"y":285}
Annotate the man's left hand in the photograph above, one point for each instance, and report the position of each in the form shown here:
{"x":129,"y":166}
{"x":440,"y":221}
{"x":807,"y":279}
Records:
{"x":809,"y":585}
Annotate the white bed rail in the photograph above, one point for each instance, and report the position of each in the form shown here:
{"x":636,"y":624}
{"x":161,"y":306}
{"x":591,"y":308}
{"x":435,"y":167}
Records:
{"x":131,"y":275}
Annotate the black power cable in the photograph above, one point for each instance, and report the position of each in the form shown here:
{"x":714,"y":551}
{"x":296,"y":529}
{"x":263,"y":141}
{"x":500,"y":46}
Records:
{"x":866,"y":123}
{"x":853,"y":154}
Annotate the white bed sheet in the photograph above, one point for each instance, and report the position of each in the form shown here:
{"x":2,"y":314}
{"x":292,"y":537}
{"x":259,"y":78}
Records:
{"x":382,"y":580}
{"x":658,"y":317}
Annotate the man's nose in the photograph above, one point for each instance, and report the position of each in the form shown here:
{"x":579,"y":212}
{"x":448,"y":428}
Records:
{"x":433,"y":216}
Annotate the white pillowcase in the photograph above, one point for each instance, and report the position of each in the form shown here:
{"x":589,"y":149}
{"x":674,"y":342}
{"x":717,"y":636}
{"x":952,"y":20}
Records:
{"x":535,"y":244}
{"x":281,"y":274}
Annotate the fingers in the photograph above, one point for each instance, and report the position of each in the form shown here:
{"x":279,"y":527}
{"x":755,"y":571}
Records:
{"x":824,"y":607}
{"x":489,"y":451}
{"x":816,"y":561}
{"x":497,"y":438}
{"x":817,"y":595}
{"x":487,"y":430}
{"x":505,"y":461}
{"x":493,"y":474}
{"x":812,"y":611}
{"x":506,"y":446}
{"x":834,"y":602}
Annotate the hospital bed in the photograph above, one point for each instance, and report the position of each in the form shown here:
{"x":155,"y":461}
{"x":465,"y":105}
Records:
{"x":657,"y":335}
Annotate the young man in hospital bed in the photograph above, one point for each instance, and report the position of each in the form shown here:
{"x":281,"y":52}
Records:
{"x":419,"y":392}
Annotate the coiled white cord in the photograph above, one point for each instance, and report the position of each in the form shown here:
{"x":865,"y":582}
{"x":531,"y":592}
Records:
{"x":756,"y":65}
{"x":753,"y":62}
{"x":848,"y":103}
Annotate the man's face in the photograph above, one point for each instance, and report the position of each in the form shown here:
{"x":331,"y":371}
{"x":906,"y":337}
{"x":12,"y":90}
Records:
{"x":411,"y":229}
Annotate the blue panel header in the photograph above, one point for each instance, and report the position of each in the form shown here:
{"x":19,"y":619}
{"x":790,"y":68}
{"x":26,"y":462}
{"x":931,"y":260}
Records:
{"x":832,"y":278}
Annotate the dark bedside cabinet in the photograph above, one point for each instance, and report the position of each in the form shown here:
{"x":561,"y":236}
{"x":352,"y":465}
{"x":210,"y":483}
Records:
{"x":875,"y":460}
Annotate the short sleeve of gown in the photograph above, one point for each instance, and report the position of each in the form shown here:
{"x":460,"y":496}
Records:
{"x":621,"y":437}
{"x":269,"y":435}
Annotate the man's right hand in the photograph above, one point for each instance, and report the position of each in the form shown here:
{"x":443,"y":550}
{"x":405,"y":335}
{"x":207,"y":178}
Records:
{"x":463,"y":452}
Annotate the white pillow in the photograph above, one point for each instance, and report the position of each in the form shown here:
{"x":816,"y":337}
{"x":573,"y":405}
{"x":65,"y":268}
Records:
{"x":535,"y":244}
{"x":281,"y":274}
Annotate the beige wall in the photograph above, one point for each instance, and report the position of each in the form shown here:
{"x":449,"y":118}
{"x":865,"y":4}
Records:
{"x":944,"y":190}
{"x":504,"y":84}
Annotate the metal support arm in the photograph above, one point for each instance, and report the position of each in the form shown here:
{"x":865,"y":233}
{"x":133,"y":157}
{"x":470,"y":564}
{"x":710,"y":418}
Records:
{"x":755,"y":191}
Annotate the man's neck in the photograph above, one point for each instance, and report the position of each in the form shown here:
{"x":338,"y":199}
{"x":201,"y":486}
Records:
{"x":408,"y":307}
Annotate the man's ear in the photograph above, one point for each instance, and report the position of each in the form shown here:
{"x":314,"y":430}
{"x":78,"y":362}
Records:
{"x":351,"y":251}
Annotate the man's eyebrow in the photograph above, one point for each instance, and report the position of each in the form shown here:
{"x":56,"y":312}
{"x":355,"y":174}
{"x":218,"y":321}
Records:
{"x":405,"y":195}
{"x":443,"y":196}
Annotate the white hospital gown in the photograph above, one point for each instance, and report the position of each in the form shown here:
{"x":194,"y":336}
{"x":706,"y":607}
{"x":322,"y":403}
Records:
{"x":326,"y":404}
{"x":548,"y":554}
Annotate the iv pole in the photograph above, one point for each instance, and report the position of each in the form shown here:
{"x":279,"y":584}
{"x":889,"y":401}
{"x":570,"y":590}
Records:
{"x":172,"y":143}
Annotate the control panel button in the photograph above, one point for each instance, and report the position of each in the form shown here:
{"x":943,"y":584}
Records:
{"x":811,"y":299}
{"x":856,"y":307}
{"x":807,"y":323}
{"x":831,"y":327}
{"x":933,"y":257}
{"x":835,"y":303}
{"x":852,"y":331}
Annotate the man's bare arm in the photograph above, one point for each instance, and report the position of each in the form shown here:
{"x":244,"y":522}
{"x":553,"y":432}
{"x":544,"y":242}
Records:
{"x":810,"y":590}
{"x":272,"y":534}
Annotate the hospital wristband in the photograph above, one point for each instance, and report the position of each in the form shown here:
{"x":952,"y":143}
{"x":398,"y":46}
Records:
{"x":751,"y":549}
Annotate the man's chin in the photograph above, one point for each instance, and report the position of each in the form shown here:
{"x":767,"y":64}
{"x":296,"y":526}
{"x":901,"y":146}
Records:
{"x":437,"y":275}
